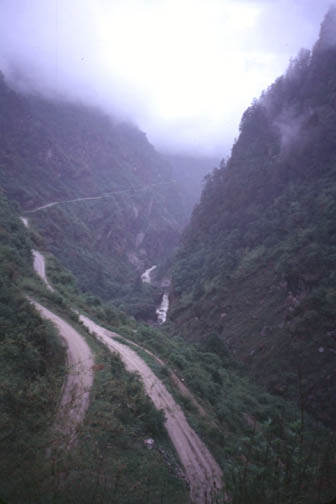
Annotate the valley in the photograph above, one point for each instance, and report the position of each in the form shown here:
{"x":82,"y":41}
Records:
{"x":165,"y":340}
{"x":203,"y":474}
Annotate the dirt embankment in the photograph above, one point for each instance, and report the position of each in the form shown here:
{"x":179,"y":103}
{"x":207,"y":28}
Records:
{"x":202,"y":471}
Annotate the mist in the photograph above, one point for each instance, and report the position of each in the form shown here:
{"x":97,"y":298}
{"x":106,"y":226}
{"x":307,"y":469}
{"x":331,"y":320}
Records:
{"x":182,"y":70}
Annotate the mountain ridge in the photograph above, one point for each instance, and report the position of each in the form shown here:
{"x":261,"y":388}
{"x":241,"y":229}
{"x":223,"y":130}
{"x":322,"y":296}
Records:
{"x":63,"y":151}
{"x":256,"y":263}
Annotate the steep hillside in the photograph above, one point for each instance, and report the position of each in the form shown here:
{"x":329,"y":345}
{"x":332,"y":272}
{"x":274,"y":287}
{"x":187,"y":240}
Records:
{"x":260,"y":442}
{"x":257,"y":263}
{"x":53,"y":151}
{"x":31,"y":361}
{"x":34,"y":464}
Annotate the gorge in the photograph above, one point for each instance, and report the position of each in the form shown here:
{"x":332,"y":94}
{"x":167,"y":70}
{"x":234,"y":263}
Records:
{"x":155,"y":353}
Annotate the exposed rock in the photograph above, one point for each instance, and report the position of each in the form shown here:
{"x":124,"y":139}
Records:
{"x":149,"y":443}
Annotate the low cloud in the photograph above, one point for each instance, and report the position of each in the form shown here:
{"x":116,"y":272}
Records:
{"x":182,"y":70}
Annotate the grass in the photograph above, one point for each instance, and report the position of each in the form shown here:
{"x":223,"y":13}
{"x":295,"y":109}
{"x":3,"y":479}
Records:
{"x":110,"y":462}
{"x":267,"y":453}
{"x":269,"y":450}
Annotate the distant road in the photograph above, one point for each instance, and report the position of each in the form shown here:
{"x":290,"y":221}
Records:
{"x":102,"y":196}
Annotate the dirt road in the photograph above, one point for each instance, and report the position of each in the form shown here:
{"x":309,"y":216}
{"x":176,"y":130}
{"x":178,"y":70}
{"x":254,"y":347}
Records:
{"x":202,"y":471}
{"x":39,"y":267}
{"x":76,"y":390}
{"x":25,"y":221}
{"x":174,"y":378}
{"x":39,"y":261}
{"x":100,"y":197}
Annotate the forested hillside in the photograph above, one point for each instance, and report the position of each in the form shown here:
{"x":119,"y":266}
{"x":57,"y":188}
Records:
{"x":56,"y":151}
{"x":232,"y":399}
{"x":257,"y":263}
{"x":31,"y":360}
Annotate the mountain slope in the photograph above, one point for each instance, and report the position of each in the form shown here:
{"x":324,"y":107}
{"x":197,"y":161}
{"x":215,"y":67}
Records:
{"x":110,"y":460}
{"x":256,"y":266}
{"x":59,"y":151}
{"x":36,"y":409}
{"x":31,"y":362}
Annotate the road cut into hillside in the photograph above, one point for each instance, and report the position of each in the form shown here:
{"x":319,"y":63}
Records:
{"x":79,"y":378}
{"x":202,"y":471}
{"x":39,"y":261}
{"x":103,"y":196}
{"x":39,"y":267}
{"x":174,"y":378}
{"x":76,"y":389}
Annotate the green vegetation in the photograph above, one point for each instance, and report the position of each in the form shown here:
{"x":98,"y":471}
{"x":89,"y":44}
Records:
{"x":269,"y":449}
{"x":109,"y":462}
{"x":257,"y":262}
{"x":259,"y":440}
{"x":55,"y":151}
{"x":121,"y":417}
{"x":253,"y":290}
{"x":31,"y":362}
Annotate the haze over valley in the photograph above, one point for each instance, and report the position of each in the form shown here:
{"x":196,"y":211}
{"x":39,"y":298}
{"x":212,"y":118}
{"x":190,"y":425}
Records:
{"x":167,"y":251}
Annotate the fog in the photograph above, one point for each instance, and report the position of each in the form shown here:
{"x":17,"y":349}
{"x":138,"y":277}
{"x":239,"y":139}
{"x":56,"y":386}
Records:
{"x":182,"y":70}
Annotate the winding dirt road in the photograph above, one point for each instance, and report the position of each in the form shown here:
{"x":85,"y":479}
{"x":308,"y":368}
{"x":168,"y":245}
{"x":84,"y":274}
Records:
{"x":100,"y":197}
{"x":173,"y":376}
{"x":202,"y":471}
{"x":39,"y":261}
{"x":39,"y":267}
{"x":76,"y":390}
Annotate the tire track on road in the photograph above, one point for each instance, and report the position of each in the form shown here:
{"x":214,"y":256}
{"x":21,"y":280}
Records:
{"x":202,"y":471}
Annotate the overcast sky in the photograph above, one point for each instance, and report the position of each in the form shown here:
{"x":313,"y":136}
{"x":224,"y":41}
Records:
{"x":183,"y":70}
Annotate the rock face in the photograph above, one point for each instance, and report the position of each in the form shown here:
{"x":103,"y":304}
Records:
{"x":257,"y":262}
{"x":63,"y":152}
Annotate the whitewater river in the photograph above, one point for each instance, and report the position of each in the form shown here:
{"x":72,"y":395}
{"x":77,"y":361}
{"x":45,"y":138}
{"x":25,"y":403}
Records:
{"x":146,"y":275}
{"x":162,"y":310}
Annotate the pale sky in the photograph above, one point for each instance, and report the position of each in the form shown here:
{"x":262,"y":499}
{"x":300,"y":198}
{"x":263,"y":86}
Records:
{"x":183,"y":70}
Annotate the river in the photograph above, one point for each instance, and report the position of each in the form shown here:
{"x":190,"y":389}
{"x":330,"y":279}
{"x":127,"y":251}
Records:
{"x":146,"y":275}
{"x":162,"y":310}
